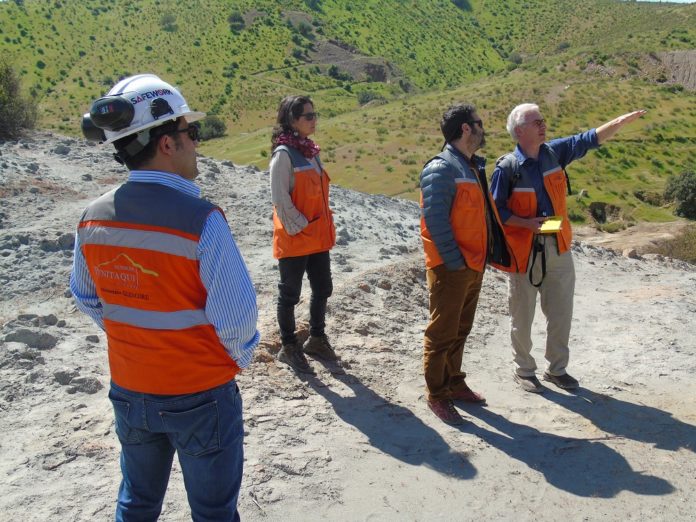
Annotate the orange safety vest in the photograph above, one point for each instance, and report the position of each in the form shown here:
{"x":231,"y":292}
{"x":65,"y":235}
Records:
{"x":523,"y":203}
{"x":140,"y":245}
{"x":310,"y":195}
{"x":467,"y":218}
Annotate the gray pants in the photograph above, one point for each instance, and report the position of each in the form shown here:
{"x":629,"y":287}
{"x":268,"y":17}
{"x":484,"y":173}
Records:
{"x":556,"y":303}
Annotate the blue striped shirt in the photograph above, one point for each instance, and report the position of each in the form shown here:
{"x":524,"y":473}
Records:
{"x":231,"y":303}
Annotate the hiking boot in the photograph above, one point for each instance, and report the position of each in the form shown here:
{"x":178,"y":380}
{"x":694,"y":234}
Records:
{"x":445,"y":411}
{"x":530,"y":384}
{"x":291,"y":355}
{"x":466,"y":394}
{"x":564,"y":381}
{"x":319,"y":346}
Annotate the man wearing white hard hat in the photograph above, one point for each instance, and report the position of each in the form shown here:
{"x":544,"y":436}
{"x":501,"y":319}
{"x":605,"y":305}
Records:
{"x":157,"y":268}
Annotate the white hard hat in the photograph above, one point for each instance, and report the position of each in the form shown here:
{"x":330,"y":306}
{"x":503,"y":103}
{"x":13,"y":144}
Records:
{"x":138,"y":103}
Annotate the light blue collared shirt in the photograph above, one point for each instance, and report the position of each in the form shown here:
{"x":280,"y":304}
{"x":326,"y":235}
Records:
{"x":231,"y":303}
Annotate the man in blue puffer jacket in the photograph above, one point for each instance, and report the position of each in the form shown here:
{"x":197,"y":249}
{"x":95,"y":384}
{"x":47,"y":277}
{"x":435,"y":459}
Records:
{"x":461,"y":232}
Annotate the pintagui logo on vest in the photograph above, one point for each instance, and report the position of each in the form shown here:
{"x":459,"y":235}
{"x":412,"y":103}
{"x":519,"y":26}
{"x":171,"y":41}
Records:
{"x":123,"y":271}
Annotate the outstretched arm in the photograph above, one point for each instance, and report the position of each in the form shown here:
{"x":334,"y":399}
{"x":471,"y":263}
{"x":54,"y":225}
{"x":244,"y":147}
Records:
{"x":607,"y":131}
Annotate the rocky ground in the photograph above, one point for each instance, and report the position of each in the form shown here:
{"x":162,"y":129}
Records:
{"x":356,"y":442}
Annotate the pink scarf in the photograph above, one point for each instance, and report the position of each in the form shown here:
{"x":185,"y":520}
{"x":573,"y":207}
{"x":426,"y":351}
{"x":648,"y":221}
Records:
{"x":307,"y":147}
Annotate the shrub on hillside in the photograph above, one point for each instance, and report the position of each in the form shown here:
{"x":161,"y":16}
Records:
{"x":236,"y":21}
{"x":314,"y":5}
{"x":306,"y":30}
{"x":168,"y":23}
{"x":682,"y":190}
{"x":16,"y":111}
{"x":212,"y":127}
{"x":336,"y":73}
{"x":651,"y":198}
{"x":367,"y":96}
{"x":464,"y":5}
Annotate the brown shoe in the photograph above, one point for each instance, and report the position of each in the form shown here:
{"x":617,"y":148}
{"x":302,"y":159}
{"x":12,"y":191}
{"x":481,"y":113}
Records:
{"x":291,"y":355}
{"x":319,"y":346}
{"x":466,"y":394}
{"x":445,"y":411}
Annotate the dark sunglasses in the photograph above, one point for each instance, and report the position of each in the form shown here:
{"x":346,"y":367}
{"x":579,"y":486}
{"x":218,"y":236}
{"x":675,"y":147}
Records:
{"x":309,"y":116}
{"x":193,"y":131}
{"x":480,"y":122}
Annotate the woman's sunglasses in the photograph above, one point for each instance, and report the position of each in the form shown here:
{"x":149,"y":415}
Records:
{"x":309,"y":116}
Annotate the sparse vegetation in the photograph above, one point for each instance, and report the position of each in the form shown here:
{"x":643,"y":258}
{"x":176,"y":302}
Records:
{"x":17,"y":112}
{"x":683,"y":246}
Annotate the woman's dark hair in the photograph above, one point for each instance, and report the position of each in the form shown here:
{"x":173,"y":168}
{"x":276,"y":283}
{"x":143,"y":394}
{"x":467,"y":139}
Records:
{"x":290,"y":109}
{"x":451,"y":123}
{"x":141,"y":158}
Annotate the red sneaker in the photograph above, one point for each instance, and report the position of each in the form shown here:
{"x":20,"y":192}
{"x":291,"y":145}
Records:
{"x":445,"y":411}
{"x":466,"y":394}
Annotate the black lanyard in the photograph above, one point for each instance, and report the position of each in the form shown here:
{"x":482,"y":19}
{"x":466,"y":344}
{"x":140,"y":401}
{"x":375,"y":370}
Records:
{"x":538,"y":246}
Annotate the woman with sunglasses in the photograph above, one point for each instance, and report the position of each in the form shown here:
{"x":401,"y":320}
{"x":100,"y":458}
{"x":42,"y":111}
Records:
{"x":303,"y":230}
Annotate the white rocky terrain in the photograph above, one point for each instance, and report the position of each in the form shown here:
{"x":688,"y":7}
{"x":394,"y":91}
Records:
{"x":357,"y":441}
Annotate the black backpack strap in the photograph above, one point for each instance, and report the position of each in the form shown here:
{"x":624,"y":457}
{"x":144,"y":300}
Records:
{"x":565,"y":172}
{"x":511,"y":167}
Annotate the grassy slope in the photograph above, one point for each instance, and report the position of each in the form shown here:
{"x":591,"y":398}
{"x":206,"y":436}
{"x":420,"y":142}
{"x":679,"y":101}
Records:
{"x":443,"y":53}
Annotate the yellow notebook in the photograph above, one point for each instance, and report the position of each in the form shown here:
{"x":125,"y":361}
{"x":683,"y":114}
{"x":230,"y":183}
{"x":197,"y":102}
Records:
{"x":551,"y":225}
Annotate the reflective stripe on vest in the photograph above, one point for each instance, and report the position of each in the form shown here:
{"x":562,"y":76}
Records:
{"x":310,"y":195}
{"x":179,"y":320}
{"x":467,"y":219}
{"x":126,"y":235}
{"x":147,"y":278}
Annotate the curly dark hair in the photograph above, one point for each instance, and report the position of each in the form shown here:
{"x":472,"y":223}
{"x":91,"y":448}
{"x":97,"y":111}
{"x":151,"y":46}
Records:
{"x":290,"y":109}
{"x":452,"y":119}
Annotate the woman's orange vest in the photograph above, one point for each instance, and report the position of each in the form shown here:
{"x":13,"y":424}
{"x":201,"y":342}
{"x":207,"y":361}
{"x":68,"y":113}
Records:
{"x":523,"y":203}
{"x":310,"y":195}
{"x":140,"y":244}
{"x":467,"y":218}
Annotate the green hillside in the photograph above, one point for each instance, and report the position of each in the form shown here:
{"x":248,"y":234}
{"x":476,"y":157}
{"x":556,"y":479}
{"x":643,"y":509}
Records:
{"x":381,"y":73}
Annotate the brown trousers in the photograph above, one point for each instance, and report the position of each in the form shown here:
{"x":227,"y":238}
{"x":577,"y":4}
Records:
{"x":453,"y":299}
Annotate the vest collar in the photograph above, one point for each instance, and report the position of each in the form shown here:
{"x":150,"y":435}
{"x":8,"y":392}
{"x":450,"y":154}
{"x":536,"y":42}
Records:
{"x":478,"y":160}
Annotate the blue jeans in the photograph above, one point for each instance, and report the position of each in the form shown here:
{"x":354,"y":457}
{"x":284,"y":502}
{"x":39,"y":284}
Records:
{"x":205,"y":429}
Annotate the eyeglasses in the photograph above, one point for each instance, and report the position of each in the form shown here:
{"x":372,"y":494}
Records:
{"x":537,"y":123}
{"x":309,"y":116}
{"x":480,"y":122}
{"x":193,"y":131}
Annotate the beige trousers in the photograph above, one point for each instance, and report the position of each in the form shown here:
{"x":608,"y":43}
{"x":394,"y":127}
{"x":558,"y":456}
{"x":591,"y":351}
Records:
{"x":556,"y":293}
